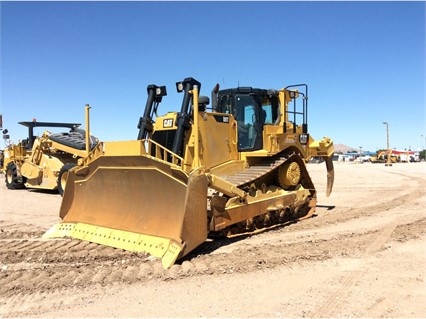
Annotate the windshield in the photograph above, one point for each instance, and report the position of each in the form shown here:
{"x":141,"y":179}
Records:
{"x":251,"y":111}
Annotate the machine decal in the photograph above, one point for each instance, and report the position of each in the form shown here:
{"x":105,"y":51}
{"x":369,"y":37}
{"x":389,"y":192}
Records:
{"x":221,"y":118}
{"x":290,"y":139}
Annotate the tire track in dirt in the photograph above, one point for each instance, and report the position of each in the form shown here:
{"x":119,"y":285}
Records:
{"x":104,"y":261}
{"x":49,"y":253}
{"x":413,"y":193}
{"x":334,"y":301}
{"x":51,"y":280}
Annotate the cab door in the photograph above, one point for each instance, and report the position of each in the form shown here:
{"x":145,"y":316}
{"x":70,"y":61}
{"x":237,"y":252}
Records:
{"x":249,"y":116}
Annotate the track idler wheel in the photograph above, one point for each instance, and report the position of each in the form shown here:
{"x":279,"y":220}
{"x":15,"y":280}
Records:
{"x":289,"y":175}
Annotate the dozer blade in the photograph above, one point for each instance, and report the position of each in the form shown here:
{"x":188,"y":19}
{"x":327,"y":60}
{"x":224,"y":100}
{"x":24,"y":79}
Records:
{"x":135,"y":203}
{"x":330,"y":174}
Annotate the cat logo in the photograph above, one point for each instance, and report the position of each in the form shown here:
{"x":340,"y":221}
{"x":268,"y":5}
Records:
{"x":167,"y":123}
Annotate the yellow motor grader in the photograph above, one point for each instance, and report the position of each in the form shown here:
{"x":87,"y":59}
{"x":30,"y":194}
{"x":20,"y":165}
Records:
{"x":43,"y":162}
{"x":227,"y":169}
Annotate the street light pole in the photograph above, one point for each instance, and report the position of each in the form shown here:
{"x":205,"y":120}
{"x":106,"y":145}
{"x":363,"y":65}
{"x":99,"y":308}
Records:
{"x":387,"y":144}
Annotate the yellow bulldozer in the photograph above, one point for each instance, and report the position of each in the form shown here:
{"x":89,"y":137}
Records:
{"x":43,"y":162}
{"x":230,"y":168}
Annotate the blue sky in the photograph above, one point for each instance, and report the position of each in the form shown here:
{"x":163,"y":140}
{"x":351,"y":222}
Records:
{"x":364,"y":62}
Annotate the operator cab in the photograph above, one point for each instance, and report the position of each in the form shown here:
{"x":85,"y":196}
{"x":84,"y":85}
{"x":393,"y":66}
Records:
{"x":252,"y":109}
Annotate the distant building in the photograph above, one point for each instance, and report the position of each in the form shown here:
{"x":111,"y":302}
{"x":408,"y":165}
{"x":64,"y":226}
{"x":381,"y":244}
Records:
{"x":406,"y":156}
{"x":347,"y":157}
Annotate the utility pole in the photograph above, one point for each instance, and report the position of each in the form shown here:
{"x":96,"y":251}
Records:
{"x":387,"y":144}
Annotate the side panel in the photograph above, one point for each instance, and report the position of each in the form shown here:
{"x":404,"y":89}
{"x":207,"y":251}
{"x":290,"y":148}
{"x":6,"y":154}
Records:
{"x":218,"y":138}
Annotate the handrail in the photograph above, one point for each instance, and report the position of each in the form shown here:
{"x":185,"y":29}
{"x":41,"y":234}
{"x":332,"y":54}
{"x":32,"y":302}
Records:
{"x":158,"y":151}
{"x":150,"y":149}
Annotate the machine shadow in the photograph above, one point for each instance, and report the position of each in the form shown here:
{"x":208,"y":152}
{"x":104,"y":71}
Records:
{"x":214,"y":243}
{"x":329,"y":207}
{"x":44,"y":191}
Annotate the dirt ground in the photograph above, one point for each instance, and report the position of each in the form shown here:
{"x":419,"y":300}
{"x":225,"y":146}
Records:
{"x":363,"y":254}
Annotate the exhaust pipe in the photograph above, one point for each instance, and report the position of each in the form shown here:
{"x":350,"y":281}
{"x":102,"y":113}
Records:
{"x":214,"y":97}
{"x":87,"y":129}
{"x":183,"y":118}
{"x":155,"y":95}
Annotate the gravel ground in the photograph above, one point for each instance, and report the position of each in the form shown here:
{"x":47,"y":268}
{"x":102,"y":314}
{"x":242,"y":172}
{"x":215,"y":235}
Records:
{"x":361,"y":255}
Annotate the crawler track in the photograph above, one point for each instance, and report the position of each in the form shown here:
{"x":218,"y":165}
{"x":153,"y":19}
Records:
{"x":265,"y":172}
{"x":257,"y":171}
